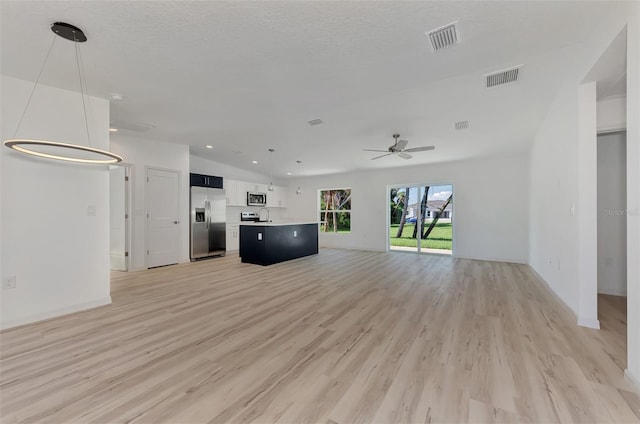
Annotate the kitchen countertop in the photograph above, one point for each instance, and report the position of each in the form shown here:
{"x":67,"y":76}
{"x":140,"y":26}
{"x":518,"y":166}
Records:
{"x":276,"y":223}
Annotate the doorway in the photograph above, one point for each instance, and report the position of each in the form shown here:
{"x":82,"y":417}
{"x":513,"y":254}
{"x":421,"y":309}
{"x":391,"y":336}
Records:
{"x":119,"y":221}
{"x":612,"y":237}
{"x":421,"y":218}
{"x":163,"y":217}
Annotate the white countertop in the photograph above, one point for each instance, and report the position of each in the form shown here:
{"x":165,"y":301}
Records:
{"x":277,"y":223}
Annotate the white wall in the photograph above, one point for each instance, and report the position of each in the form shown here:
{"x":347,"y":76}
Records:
{"x":142,"y":154}
{"x":612,"y":113}
{"x":490,"y":205}
{"x":553,"y":250}
{"x":58,"y":253}
{"x":554,"y":176}
{"x":633,"y":195}
{"x":612,"y":219}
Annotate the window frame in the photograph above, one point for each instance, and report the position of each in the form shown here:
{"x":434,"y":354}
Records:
{"x":321,"y":211}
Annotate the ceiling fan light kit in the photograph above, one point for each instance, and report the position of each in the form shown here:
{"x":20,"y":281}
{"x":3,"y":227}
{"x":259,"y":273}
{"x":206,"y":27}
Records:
{"x":398,"y":149}
{"x":48,"y":149}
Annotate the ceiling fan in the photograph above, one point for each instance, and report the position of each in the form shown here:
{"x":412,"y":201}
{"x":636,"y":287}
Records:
{"x":398,"y":148}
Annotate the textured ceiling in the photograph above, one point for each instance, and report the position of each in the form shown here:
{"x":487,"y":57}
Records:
{"x":247,"y":76}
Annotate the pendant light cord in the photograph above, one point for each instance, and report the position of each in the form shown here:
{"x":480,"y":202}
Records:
{"x":84,"y":106}
{"x":24,"y":112}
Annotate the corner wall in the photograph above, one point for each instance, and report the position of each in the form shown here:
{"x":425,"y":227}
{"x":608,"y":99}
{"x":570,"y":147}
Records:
{"x":57,"y":250}
{"x":490,"y":205}
{"x":555,"y":180}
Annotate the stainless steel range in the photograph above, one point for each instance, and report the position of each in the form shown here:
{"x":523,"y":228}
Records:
{"x":249,"y":216}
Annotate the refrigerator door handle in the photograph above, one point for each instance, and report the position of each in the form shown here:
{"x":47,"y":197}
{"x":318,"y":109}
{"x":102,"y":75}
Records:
{"x":207,"y":207}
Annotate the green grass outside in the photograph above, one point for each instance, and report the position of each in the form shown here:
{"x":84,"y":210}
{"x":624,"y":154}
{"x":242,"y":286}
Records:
{"x":440,"y":238}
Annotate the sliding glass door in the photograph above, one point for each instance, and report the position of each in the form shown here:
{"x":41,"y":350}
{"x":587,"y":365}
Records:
{"x":420,"y":218}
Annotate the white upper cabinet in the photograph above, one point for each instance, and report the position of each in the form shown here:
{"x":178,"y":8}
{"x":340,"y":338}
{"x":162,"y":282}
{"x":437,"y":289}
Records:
{"x":231,"y":192}
{"x":236,"y":193}
{"x":277,"y":198}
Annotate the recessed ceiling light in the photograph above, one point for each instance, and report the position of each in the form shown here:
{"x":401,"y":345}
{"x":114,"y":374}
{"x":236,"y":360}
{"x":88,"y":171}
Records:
{"x":288,"y":173}
{"x":315,"y":122}
{"x":113,"y":130}
{"x":254,"y":161}
{"x":209,"y":146}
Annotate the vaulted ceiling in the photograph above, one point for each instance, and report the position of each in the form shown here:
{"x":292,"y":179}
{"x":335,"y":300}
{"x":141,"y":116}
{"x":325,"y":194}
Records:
{"x":244,"y":77}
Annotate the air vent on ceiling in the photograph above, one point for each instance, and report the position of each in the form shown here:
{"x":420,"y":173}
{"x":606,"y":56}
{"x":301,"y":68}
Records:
{"x":132,"y":126}
{"x":462,"y":125}
{"x":315,"y":122}
{"x":505,"y":76}
{"x":443,"y":37}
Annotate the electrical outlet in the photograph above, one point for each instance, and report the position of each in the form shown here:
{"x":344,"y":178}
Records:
{"x":9,"y":283}
{"x":91,"y":210}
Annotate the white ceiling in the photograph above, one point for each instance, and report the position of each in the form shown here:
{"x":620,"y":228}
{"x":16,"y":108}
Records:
{"x":247,"y":76}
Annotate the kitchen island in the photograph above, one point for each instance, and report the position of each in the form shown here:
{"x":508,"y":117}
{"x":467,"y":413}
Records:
{"x":266,"y":243}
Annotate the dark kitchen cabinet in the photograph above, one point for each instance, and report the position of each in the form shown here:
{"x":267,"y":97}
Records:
{"x":269,"y":244}
{"x":200,"y":180}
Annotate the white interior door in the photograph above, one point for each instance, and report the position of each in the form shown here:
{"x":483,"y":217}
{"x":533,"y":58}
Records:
{"x":163,"y":212}
{"x":117,"y":218}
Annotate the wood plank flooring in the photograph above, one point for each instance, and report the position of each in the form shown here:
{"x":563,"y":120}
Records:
{"x":340,"y":337}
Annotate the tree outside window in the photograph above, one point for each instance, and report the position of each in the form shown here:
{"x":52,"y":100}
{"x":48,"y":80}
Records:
{"x":335,"y":210}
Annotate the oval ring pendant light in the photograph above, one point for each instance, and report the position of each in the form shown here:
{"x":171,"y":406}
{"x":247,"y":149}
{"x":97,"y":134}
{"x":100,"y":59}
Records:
{"x":53,"y":149}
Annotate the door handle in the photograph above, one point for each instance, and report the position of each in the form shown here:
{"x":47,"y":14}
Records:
{"x":208,"y":207}
{"x":176,"y":222}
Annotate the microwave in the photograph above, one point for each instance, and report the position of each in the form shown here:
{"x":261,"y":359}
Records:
{"x":256,"y":199}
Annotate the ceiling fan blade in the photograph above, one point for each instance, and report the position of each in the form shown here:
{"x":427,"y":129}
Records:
{"x":404,"y":155}
{"x":420,"y":149}
{"x":381,"y":156}
{"x":375,"y":150}
{"x":401,"y":144}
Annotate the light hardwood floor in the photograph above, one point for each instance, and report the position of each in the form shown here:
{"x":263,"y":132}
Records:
{"x":340,"y":337}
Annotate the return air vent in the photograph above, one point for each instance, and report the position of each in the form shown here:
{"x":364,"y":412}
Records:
{"x":315,"y":122}
{"x":462,"y":125}
{"x":443,"y":37}
{"x":506,"y":76}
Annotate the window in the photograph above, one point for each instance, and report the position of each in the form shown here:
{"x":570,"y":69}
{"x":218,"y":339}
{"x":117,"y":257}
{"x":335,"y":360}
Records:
{"x":335,"y":210}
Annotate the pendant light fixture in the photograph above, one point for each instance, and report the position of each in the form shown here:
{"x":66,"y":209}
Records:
{"x":54,"y":149}
{"x":270,"y":188}
{"x":299,"y":189}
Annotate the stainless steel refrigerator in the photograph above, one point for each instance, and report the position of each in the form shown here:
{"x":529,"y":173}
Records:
{"x":208,"y":222}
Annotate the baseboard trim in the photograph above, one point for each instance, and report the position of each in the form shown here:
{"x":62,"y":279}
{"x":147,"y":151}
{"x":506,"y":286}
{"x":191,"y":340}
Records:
{"x":589,"y":323}
{"x":356,"y":248}
{"x":477,"y":258}
{"x":56,"y":313}
{"x":632,"y":378}
{"x":613,"y":292}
